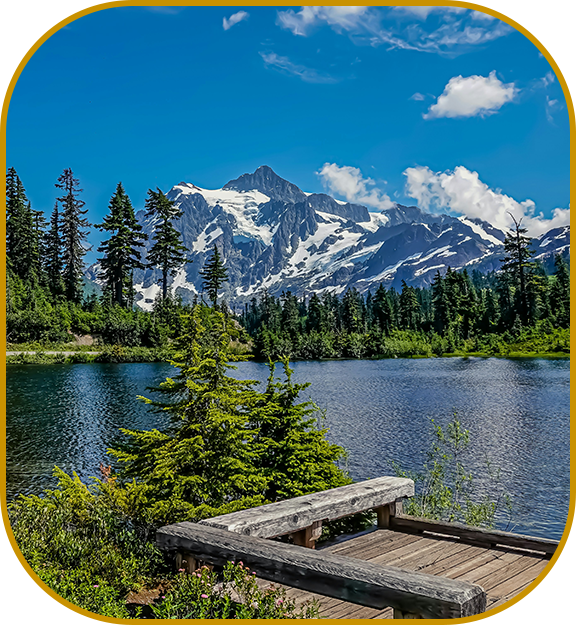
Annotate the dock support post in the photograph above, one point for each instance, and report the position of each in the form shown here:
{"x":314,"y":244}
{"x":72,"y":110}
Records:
{"x":186,"y":561}
{"x":308,"y":536}
{"x":386,"y":512}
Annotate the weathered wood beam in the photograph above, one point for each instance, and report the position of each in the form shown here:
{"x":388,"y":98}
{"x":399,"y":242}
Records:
{"x":472,"y":535}
{"x":292,"y":515}
{"x":343,"y":578}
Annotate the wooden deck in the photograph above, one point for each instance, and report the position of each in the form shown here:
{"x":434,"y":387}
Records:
{"x":502,"y":572}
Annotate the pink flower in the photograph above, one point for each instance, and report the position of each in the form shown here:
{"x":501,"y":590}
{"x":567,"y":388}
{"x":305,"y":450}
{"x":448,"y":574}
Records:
{"x":180,"y":570}
{"x":204,"y":596}
{"x":279,"y":601}
{"x":96,"y":586}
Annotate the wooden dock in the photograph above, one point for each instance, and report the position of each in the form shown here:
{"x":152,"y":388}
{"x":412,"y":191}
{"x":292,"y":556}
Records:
{"x":407,"y":567}
{"x":502,"y":572}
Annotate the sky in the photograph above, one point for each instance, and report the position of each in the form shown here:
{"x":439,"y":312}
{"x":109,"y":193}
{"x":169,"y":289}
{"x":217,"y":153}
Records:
{"x":444,"y":108}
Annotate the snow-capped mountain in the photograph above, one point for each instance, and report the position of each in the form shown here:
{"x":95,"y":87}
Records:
{"x":274,"y":236}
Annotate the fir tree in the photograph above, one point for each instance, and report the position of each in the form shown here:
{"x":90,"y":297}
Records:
{"x":167,"y":253}
{"x":518,"y":266}
{"x":560,"y":292}
{"x":53,"y":262}
{"x":409,"y":308}
{"x":21,"y":244}
{"x":73,"y":235}
{"x":121,"y":253}
{"x":214,"y":274}
{"x":204,"y":463}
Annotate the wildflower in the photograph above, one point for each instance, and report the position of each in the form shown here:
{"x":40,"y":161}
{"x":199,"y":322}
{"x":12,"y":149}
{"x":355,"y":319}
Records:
{"x":279,"y":602}
{"x":181,"y":570}
{"x":96,"y":586}
{"x":253,"y":572}
{"x":204,"y":596}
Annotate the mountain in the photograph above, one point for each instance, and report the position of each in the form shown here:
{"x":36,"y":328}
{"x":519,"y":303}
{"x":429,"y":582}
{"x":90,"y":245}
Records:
{"x":274,"y":236}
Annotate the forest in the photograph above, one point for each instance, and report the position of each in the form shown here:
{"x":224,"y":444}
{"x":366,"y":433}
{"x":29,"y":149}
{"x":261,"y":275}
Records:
{"x":519,"y":310}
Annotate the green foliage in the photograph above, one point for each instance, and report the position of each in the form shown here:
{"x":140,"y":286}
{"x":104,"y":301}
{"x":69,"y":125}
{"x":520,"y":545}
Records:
{"x":445,"y":489}
{"x":214,"y":274}
{"x":233,"y":595}
{"x":167,"y":253}
{"x":86,"y":544}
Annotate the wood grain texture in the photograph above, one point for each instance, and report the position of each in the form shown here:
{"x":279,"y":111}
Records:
{"x":292,"y":515}
{"x":331,"y":575}
{"x":473,"y":535}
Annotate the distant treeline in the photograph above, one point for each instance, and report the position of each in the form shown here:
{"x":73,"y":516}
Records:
{"x":518,"y":309}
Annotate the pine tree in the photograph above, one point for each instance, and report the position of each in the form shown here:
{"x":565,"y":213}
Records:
{"x":73,"y":235}
{"x":560,"y":292}
{"x":410,"y":311}
{"x":21,"y":249}
{"x":382,"y":309}
{"x":518,"y":266}
{"x":203,"y":464}
{"x":53,"y":262}
{"x":293,"y":454}
{"x":121,"y":253}
{"x":214,"y":274}
{"x":167,"y":253}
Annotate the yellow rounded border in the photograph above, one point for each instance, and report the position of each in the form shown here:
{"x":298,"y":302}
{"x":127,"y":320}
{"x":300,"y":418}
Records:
{"x":549,"y":27}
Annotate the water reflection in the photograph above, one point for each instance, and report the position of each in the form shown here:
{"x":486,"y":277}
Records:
{"x":517,"y":412}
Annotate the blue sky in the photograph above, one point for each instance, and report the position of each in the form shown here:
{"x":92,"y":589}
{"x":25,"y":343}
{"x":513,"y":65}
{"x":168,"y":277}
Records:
{"x":442,"y":108}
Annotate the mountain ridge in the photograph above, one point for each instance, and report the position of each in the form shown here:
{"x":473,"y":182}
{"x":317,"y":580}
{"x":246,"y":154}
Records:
{"x":272,"y":235}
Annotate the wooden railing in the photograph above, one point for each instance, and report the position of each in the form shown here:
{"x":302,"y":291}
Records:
{"x":242,"y":536}
{"x":302,"y":517}
{"x":412,"y":595}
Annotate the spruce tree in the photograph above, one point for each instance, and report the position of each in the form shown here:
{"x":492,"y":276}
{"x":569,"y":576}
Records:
{"x":214,"y":274}
{"x":73,"y":235}
{"x":409,"y":308}
{"x":203,"y":463}
{"x":21,"y":248}
{"x":167,"y":253}
{"x":121,"y":255}
{"x":560,"y":292}
{"x":53,"y":258}
{"x":518,"y":267}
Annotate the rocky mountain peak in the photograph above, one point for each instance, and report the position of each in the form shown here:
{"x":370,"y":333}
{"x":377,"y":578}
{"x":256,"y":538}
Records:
{"x":267,"y":181}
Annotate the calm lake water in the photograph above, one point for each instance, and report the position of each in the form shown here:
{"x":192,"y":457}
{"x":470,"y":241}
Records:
{"x":517,"y":412}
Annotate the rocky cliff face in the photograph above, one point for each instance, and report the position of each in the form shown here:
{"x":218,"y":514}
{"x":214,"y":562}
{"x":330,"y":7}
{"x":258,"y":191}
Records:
{"x":274,"y":236}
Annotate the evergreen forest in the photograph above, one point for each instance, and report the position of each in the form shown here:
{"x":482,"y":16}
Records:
{"x":522,"y":309}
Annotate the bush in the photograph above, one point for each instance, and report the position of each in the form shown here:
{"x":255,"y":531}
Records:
{"x":235,"y":594}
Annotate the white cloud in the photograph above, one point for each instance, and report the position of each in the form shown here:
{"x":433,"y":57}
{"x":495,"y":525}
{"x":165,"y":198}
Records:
{"x":284,"y":64}
{"x":462,"y":192}
{"x":471,"y":96}
{"x":339,"y":18}
{"x":482,"y":17}
{"x":422,"y":12}
{"x":418,"y":97}
{"x":234,"y":19}
{"x":551,"y":107}
{"x":548,"y":79}
{"x":349,"y":183}
{"x":458,"y":30}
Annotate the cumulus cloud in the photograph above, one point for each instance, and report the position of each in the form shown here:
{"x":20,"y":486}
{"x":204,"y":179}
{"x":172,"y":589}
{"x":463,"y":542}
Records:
{"x":285,"y":65}
{"x":471,"y":96}
{"x":349,"y":183}
{"x":303,"y":21}
{"x":234,"y":19}
{"x":462,"y":192}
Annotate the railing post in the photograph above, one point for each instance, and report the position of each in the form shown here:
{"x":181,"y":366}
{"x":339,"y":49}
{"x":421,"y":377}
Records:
{"x":308,"y":536}
{"x":385,"y":513}
{"x":186,"y":561}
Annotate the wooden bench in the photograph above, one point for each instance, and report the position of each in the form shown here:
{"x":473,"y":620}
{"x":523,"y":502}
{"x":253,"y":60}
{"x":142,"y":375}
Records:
{"x":302,"y":517}
{"x":411,"y":594}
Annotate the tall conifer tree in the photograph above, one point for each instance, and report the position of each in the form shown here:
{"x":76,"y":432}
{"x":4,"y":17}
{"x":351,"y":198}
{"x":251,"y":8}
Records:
{"x":53,"y":248}
{"x":167,"y":253}
{"x":121,"y":255}
{"x":21,"y":249}
{"x":214,"y":274}
{"x":73,"y":235}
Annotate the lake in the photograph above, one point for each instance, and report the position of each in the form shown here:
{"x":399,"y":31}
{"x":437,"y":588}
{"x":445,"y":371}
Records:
{"x":517,"y":412}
